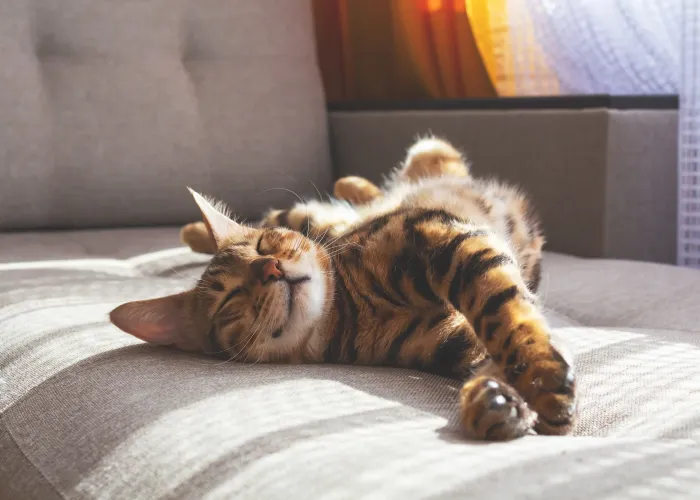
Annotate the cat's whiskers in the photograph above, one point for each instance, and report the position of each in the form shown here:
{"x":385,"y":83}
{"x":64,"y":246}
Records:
{"x":255,"y":336}
{"x":263,"y":307}
{"x":232,"y":347}
{"x":298,"y":243}
{"x":331,"y":242}
{"x":255,"y":326}
{"x":260,"y":354}
{"x":242,"y":351}
{"x":320,"y":198}
{"x":175,"y":272}
{"x":308,"y":220}
{"x":261,"y":326}
{"x":331,"y":246}
{"x":301,"y":200}
{"x":319,"y":238}
{"x":339,"y":250}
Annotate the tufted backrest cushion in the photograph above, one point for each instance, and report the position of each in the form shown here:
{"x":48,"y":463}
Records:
{"x":108,"y":109}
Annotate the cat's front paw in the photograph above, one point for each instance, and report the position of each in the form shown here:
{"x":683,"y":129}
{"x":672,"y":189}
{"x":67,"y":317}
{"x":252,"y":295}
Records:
{"x":549,"y":387}
{"x":491,"y":410}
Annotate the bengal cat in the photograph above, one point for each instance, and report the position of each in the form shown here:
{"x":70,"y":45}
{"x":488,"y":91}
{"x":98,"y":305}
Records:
{"x":435,"y":271}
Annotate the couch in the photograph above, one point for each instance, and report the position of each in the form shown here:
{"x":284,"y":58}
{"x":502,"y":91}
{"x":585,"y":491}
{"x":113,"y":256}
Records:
{"x":107,"y":111}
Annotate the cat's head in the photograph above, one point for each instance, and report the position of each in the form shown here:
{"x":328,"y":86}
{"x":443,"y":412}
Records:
{"x":263,"y":294}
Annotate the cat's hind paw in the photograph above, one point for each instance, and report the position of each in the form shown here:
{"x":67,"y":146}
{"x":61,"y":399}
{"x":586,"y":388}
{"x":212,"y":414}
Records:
{"x":356,"y":190}
{"x":196,"y":236}
{"x":491,"y":410}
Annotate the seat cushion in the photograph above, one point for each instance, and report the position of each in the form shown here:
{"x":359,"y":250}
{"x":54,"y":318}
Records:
{"x":87,"y":411}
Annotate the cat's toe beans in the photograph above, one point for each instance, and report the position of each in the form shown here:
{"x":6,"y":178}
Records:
{"x":493,"y":411}
{"x":498,"y":401}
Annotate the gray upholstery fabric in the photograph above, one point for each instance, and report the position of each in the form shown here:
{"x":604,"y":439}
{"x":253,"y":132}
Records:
{"x":89,"y":412}
{"x":604,"y":181}
{"x":109,"y":109}
{"x":641,"y":185}
{"x":93,"y":243}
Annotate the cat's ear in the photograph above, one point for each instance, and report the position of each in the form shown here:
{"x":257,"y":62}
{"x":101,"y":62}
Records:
{"x":219,"y":224}
{"x":159,"y":321}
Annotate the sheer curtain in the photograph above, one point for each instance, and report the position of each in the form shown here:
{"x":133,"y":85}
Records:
{"x":550,"y":47}
{"x":689,"y":139}
{"x":383,"y":49}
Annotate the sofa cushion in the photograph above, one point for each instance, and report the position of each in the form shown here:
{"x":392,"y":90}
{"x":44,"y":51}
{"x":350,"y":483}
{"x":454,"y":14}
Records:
{"x":89,"y":412}
{"x":109,"y":109}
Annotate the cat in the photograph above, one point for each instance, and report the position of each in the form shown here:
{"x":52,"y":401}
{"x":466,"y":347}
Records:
{"x":434,"y":175}
{"x":434,"y":271}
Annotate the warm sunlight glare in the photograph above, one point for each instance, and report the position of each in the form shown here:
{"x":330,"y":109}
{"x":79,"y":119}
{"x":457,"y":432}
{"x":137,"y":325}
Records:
{"x":437,"y":5}
{"x":434,"y":5}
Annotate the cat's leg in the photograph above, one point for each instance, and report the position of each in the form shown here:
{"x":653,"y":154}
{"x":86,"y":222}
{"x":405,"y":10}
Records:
{"x":492,"y":410}
{"x":523,"y":229}
{"x":474,"y":270}
{"x":432,"y":157}
{"x":356,"y":190}
{"x":531,"y":263}
{"x":429,"y":157}
{"x":197,"y":237}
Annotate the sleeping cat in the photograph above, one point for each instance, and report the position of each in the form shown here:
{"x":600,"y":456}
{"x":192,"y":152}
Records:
{"x":435,"y":271}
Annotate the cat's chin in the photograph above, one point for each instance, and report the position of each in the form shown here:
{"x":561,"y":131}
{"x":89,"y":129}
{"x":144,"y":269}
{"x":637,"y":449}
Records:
{"x":305,"y":307}
{"x":305,"y":312}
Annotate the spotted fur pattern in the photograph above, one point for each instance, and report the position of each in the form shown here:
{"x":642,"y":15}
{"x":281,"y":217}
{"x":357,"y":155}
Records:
{"x":416,"y":284}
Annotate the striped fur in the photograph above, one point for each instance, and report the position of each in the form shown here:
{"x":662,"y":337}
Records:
{"x":414,"y":285}
{"x":434,"y":175}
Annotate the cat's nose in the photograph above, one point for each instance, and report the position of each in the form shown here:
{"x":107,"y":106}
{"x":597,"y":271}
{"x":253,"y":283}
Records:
{"x":266,"y":270}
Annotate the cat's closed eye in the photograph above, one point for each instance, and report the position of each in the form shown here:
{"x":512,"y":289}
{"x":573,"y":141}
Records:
{"x":259,"y":246}
{"x":228,"y":297}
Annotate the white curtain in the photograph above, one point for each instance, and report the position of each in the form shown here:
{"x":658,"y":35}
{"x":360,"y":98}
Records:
{"x":628,"y":47}
{"x":689,"y":139}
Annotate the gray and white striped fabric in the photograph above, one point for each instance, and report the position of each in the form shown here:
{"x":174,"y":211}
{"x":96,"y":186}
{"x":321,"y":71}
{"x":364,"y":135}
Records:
{"x":89,"y":412}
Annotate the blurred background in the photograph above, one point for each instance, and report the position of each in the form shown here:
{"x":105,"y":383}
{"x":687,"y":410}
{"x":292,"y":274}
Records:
{"x":437,"y":49}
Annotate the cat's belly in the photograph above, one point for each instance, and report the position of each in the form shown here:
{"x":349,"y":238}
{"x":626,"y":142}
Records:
{"x":464,"y":203}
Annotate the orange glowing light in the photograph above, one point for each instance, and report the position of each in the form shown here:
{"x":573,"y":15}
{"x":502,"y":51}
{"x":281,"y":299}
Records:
{"x":434,"y":5}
